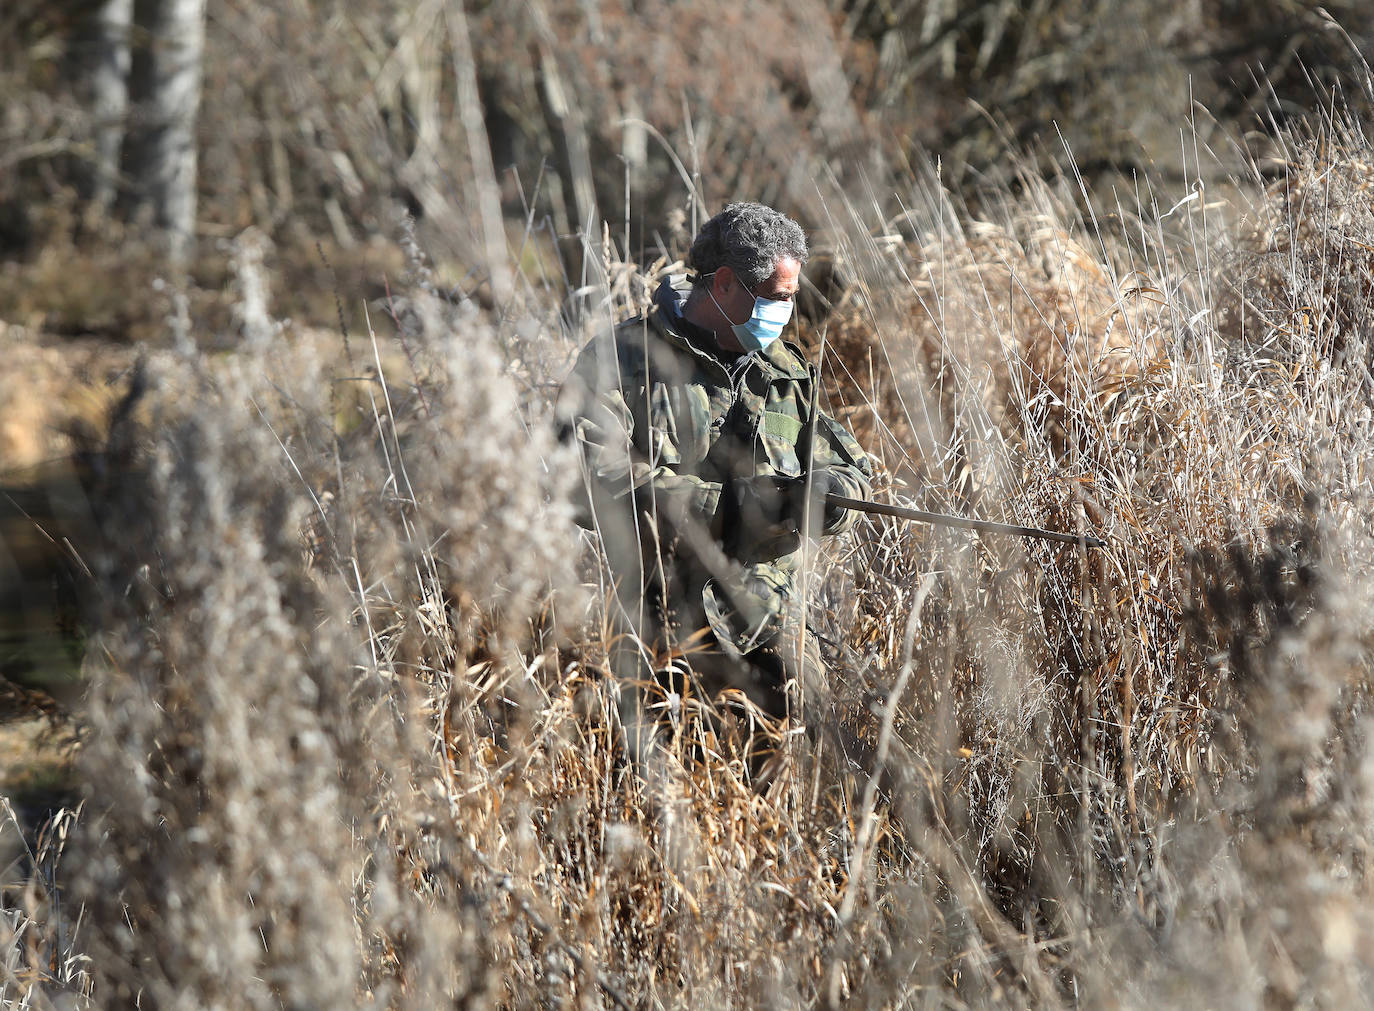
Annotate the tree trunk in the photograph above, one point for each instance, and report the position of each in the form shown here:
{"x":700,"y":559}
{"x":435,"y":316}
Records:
{"x":486,"y":189}
{"x":166,"y":79}
{"x":572,"y":150}
{"x":109,"y":96}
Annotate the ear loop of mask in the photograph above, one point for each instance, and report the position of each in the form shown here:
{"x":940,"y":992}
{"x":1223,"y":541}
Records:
{"x":726,"y":314}
{"x":756,"y":332}
{"x":712,"y":294}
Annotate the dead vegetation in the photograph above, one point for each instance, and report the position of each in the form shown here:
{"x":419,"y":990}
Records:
{"x":351,"y":739}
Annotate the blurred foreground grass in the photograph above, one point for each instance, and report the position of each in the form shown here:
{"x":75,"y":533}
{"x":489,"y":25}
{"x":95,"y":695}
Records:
{"x":350,"y":738}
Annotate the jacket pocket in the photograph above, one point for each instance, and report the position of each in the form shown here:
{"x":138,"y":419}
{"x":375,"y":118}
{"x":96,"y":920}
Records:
{"x":780,"y":434}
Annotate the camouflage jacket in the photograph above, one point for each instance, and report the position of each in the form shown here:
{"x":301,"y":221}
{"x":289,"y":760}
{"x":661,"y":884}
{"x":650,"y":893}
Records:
{"x":664,"y":420}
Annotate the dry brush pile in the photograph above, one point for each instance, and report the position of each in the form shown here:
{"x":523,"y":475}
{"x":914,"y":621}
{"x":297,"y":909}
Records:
{"x":350,"y":737}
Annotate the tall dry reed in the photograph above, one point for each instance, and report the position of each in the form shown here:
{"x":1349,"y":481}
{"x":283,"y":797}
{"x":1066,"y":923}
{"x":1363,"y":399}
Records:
{"x":353,"y":739}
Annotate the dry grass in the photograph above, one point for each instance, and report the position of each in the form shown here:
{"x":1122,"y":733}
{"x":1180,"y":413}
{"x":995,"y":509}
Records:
{"x":352,"y":739}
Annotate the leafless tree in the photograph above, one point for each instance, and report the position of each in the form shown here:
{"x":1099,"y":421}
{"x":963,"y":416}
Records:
{"x":109,"y":94}
{"x":165,"y":88}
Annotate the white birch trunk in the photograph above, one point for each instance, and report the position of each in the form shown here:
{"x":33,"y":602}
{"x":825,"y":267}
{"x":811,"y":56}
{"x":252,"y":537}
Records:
{"x":167,"y":82}
{"x":109,"y":95}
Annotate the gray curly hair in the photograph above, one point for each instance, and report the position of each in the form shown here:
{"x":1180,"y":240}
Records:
{"x":748,"y":238}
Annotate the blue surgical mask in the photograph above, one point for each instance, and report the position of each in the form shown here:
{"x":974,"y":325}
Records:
{"x":764,"y":324}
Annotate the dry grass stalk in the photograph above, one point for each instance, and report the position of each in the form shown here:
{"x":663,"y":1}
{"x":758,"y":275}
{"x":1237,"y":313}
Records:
{"x":383,"y":762}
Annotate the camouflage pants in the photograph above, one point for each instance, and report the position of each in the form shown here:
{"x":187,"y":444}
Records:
{"x":770,"y":675}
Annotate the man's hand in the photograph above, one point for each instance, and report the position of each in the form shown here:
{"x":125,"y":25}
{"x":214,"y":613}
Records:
{"x":754,"y":520}
{"x":823,"y":483}
{"x":762,"y":516}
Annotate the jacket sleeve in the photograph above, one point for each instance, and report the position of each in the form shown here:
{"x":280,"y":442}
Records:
{"x":627,"y":459}
{"x":838,"y":452}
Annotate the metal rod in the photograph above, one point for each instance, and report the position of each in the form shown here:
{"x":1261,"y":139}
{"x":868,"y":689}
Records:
{"x":942,"y":519}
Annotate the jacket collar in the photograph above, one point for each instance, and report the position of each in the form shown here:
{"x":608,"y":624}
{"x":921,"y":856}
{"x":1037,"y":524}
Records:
{"x":786,"y":359}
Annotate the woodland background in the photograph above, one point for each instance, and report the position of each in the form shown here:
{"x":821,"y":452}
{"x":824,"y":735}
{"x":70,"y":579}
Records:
{"x":303,"y":686}
{"x":321,"y":124}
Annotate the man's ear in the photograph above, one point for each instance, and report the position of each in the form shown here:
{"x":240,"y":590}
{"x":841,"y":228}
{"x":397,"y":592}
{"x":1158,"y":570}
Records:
{"x":721,"y":281}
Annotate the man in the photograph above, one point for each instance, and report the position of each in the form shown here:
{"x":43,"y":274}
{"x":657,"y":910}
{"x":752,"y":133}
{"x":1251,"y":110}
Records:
{"x":704,"y":460}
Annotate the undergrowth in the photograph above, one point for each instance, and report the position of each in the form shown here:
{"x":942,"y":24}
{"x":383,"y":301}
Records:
{"x":351,"y":739}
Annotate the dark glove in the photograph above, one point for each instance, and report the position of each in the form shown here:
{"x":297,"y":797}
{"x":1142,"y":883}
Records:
{"x":762,"y":516}
{"x":756,"y":518}
{"x":823,"y":483}
{"x":794,"y":491}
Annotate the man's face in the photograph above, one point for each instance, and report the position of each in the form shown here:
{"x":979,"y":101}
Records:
{"x":737,"y":303}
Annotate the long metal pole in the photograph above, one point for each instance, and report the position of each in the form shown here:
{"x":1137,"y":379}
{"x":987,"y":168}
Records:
{"x":988,"y":526}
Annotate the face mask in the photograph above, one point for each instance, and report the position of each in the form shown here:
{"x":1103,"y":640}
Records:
{"x":764,"y":324}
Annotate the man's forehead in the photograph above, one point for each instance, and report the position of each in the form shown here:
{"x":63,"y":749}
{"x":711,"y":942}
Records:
{"x":786,"y":276}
